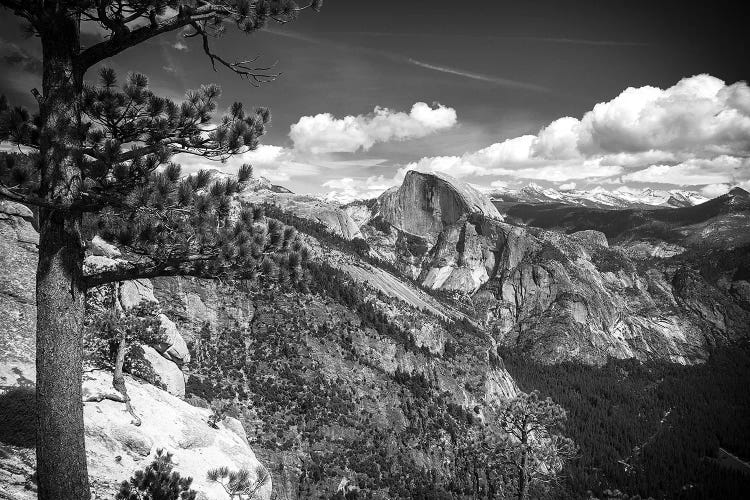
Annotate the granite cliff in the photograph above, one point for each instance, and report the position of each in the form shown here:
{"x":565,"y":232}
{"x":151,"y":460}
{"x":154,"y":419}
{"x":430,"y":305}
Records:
{"x":567,"y":296}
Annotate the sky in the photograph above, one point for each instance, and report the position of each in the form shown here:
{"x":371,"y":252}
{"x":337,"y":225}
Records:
{"x":565,"y":94}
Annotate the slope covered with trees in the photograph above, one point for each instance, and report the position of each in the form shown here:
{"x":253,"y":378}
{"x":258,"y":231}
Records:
{"x":652,"y":429}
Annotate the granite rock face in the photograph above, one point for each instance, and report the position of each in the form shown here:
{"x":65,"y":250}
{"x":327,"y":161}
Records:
{"x":425,"y":204}
{"x":557,"y":296}
{"x":174,"y":346}
{"x":167,"y":423}
{"x":148,"y":364}
{"x":334,"y":218}
{"x":18,"y":248}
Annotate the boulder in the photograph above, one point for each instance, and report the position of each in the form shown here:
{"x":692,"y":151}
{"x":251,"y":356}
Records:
{"x":134,"y":292}
{"x":148,"y":364}
{"x":174,"y":347}
{"x":98,"y":246}
{"x":116,"y":448}
{"x":18,"y":251}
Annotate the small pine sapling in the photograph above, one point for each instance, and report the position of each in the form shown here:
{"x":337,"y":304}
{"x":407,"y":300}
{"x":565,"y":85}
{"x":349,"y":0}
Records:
{"x":111,"y":336}
{"x":239,"y":485}
{"x":158,"y":481}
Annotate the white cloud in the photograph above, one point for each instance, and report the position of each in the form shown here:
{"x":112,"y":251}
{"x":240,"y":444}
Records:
{"x":324,"y":133}
{"x":347,"y":189}
{"x":569,"y":186}
{"x":695,"y":132}
{"x":180,"y":46}
{"x":699,"y":115}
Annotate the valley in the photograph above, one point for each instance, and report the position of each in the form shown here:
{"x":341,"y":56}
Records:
{"x":429,"y":307}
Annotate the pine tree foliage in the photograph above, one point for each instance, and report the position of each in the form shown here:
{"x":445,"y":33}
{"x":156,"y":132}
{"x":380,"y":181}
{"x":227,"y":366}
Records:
{"x":105,"y":330}
{"x":240,"y":485}
{"x":174,"y":225}
{"x":158,"y":481}
{"x":535,"y":445}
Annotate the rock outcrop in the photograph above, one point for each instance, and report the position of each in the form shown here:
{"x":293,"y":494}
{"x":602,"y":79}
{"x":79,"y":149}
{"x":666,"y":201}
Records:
{"x":557,"y":296}
{"x":307,"y":207}
{"x":167,"y":423}
{"x":148,"y":364}
{"x":18,"y":248}
{"x":425,"y":204}
{"x":116,"y":448}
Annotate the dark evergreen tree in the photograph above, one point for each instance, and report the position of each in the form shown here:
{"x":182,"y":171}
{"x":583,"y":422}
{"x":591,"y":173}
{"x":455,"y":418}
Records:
{"x":535,"y":447}
{"x":158,"y":481}
{"x":103,"y":150}
{"x":111,"y":335}
{"x":241,"y":484}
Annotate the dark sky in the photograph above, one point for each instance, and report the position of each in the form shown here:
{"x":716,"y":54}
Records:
{"x":506,"y":68}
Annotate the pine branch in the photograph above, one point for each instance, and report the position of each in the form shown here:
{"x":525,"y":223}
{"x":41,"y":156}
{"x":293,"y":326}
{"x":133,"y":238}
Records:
{"x":28,"y":199}
{"x":123,"y":38}
{"x":255,"y":75}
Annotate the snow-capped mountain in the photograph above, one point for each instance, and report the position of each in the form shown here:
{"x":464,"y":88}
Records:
{"x":622,"y":197}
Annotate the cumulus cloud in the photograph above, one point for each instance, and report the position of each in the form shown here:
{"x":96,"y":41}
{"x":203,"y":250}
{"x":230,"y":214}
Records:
{"x":696,"y":132}
{"x":700,"y":115}
{"x":324,"y":133}
{"x":180,"y":46}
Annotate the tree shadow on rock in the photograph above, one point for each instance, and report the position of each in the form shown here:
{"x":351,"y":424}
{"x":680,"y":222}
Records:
{"x":18,"y":417}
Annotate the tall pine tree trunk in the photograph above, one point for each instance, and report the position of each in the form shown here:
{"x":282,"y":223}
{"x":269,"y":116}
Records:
{"x":61,"y":456}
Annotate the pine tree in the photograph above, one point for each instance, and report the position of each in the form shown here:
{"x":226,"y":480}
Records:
{"x":111,"y":335}
{"x":158,"y":481}
{"x":536,"y":448}
{"x":240,"y":485}
{"x":104,"y":150}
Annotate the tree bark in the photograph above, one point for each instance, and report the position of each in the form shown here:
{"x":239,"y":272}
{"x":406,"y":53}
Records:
{"x":60,"y":448}
{"x":61,"y":455}
{"x":118,"y":379}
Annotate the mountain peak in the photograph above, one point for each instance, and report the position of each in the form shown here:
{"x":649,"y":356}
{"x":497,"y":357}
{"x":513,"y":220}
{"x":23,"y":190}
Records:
{"x":427,"y":202}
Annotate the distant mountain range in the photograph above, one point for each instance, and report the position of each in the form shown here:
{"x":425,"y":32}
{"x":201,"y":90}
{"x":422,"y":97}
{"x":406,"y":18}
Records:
{"x":622,"y":197}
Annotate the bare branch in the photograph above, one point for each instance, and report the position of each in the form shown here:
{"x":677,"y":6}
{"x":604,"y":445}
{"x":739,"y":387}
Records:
{"x":255,"y":75}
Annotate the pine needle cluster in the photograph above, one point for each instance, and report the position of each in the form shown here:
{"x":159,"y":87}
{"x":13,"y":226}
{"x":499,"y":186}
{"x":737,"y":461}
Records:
{"x":240,"y":484}
{"x":158,"y":481}
{"x":171,"y":224}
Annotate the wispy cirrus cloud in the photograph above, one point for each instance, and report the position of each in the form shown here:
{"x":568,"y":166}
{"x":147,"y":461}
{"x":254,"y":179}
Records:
{"x":505,"y":82}
{"x":400,"y":58}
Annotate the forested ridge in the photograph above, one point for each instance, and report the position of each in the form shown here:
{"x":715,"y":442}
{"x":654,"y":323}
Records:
{"x":651,"y":429}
